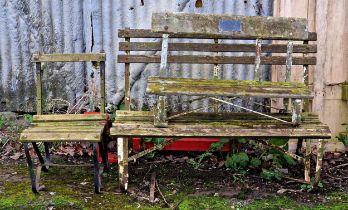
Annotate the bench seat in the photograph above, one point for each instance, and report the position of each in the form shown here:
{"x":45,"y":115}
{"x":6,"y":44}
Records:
{"x":65,"y":128}
{"x":230,"y":88}
{"x":140,"y":124}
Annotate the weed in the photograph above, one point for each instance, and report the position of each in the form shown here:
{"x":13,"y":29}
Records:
{"x":310,"y":186}
{"x":2,"y":122}
{"x":270,"y":175}
{"x":213,"y":148}
{"x":342,"y":138}
{"x":28,"y":118}
{"x":237,"y":161}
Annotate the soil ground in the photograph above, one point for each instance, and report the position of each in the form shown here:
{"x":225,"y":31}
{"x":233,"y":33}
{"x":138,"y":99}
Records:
{"x":182,"y":186}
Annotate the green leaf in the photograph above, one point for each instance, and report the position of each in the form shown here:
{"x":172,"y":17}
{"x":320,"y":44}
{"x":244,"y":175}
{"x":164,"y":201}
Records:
{"x":289,"y":160}
{"x":320,"y":184}
{"x":236,"y":161}
{"x":158,"y":140}
{"x":279,"y":142}
{"x":242,"y":140}
{"x":28,"y":118}
{"x":224,"y":140}
{"x":269,"y":175}
{"x":147,"y":139}
{"x":122,"y":106}
{"x":255,"y":162}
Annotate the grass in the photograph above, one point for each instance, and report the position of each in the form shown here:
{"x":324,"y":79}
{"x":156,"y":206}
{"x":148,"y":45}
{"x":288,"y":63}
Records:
{"x":72,"y":188}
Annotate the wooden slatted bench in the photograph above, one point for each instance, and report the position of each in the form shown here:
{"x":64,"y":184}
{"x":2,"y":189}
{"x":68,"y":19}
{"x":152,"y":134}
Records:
{"x":293,"y":48}
{"x":66,"y":127}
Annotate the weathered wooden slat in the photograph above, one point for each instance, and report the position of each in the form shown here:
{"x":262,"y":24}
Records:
{"x":206,"y":87}
{"x":242,"y":124}
{"x":173,"y":130}
{"x":61,"y":137}
{"x":65,"y":129}
{"x":139,"y":116}
{"x":69,"y":57}
{"x":69,"y":117}
{"x":205,"y":59}
{"x":209,"y":47}
{"x":67,"y":123}
{"x":146,"y":33}
{"x":238,"y":26}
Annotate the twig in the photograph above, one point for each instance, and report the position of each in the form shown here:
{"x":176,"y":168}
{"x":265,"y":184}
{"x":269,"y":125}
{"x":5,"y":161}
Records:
{"x":152,"y":187}
{"x":147,"y":151}
{"x":184,"y":113}
{"x":164,"y":199}
{"x":296,"y":157}
{"x":338,"y":166}
{"x":333,"y":177}
{"x":3,"y":146}
{"x":294,"y":179}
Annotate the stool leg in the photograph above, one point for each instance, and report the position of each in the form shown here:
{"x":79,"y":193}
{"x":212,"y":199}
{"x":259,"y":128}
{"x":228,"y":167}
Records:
{"x":308,"y":161}
{"x":34,"y":185}
{"x":103,"y":148}
{"x":97,"y":174}
{"x":319,"y":165}
{"x":122,"y":152}
{"x":41,"y":159}
{"x":47,"y":154}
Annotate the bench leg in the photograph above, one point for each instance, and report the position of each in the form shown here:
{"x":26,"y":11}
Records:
{"x":97,"y":171}
{"x":122,"y":152}
{"x":319,"y":164}
{"x":308,"y":160}
{"x":34,"y":179}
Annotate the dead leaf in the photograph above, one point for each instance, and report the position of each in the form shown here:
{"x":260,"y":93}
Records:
{"x":16,"y":156}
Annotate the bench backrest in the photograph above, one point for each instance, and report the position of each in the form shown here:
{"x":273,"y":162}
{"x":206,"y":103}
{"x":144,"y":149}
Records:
{"x":67,"y":57}
{"x":183,"y":26}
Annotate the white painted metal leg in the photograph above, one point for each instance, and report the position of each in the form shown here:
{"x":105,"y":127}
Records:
{"x":122,"y":153}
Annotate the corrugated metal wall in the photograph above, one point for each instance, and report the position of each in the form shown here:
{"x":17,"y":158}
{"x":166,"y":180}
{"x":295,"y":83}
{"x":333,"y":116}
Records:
{"x":28,"y":26}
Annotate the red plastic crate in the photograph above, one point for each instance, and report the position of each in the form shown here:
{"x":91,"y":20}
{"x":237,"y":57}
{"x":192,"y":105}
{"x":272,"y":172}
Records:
{"x":184,"y":144}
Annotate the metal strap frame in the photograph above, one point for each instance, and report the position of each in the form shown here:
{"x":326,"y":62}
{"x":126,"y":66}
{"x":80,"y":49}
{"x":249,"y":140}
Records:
{"x":160,"y":118}
{"x":288,"y":66}
{"x":257,"y":74}
{"x":99,"y":57}
{"x":296,"y":103}
{"x":216,"y":76}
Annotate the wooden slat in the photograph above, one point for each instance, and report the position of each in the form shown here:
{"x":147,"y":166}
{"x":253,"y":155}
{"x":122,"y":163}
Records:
{"x":206,"y":87}
{"x":68,"y":123}
{"x":238,"y":26}
{"x":65,"y":129}
{"x":60,"y":137}
{"x":202,"y":59}
{"x":69,"y":117}
{"x":69,"y":57}
{"x":208,"y":47}
{"x":199,"y":130}
{"x":229,"y":117}
{"x":146,"y":33}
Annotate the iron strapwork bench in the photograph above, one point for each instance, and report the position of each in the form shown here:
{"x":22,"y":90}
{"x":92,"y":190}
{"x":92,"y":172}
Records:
{"x":291,"y":122}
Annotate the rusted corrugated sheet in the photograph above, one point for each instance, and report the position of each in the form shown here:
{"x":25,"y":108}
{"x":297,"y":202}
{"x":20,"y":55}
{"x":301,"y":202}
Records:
{"x":28,"y":26}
